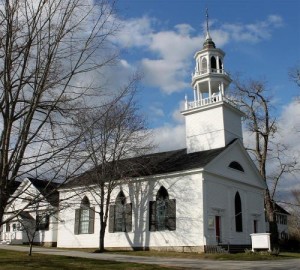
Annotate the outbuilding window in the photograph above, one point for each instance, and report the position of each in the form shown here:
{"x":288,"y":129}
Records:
{"x":162,"y":215}
{"x":120,"y":215}
{"x":84,"y":218}
{"x":42,"y":222}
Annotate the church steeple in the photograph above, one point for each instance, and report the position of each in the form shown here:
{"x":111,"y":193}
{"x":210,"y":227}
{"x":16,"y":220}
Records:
{"x":208,"y":43}
{"x":211,"y":119}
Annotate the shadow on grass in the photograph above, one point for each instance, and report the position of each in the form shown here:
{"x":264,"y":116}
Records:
{"x":11,"y":260}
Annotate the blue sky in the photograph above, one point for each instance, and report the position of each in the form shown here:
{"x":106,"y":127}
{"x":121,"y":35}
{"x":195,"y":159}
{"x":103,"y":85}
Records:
{"x":261,"y":40}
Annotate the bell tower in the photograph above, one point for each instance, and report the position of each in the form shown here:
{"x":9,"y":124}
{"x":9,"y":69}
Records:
{"x":212,"y":120}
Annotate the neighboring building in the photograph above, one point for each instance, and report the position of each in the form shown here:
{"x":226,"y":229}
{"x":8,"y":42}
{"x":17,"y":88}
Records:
{"x":38,"y":221}
{"x":206,"y":195}
{"x":282,"y":222}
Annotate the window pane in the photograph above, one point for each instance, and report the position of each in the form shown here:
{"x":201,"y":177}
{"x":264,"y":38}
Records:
{"x":161,"y":215}
{"x":84,"y":221}
{"x":120,"y":218}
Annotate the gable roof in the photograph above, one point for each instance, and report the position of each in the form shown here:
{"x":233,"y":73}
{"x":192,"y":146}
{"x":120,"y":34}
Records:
{"x":230,"y":154}
{"x":154,"y":164}
{"x":13,"y":187}
{"x":48,"y":189}
{"x":281,"y":210}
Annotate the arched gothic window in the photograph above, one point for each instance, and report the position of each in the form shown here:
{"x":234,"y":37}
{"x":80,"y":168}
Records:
{"x":162,"y":214}
{"x":238,"y":213}
{"x":213,"y":64}
{"x":84,"y":218}
{"x":220,"y":65}
{"x":120,"y":215}
{"x":203,"y":65}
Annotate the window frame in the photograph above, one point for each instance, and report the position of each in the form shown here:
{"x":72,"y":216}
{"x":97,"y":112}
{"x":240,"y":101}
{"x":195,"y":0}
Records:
{"x":162,"y":212}
{"x":42,"y":222}
{"x":236,"y":166}
{"x":122,"y":222}
{"x":238,"y":211}
{"x":85,"y":215}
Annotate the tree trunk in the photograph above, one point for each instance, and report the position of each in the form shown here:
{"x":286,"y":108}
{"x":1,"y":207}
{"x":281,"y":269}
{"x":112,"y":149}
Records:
{"x":271,"y":216}
{"x":3,"y":203}
{"x":30,"y":247}
{"x":102,"y":235}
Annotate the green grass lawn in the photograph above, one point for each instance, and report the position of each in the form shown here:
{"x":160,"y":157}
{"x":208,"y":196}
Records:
{"x":11,"y":260}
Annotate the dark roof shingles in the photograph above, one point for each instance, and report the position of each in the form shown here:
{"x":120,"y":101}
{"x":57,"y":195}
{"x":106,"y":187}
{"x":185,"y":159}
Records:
{"x":154,"y":164}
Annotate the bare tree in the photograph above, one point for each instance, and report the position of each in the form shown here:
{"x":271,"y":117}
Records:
{"x":113,"y":136}
{"x":45,"y":49}
{"x":294,"y":220}
{"x":265,"y":150}
{"x":36,"y":220}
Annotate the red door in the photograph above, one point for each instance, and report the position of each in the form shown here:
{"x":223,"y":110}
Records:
{"x":218,"y":229}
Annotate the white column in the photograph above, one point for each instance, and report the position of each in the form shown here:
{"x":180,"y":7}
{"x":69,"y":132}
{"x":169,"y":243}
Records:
{"x":199,"y":92}
{"x":195,"y":94}
{"x":222,"y":88}
{"x":218,"y":67}
{"x":209,"y":89}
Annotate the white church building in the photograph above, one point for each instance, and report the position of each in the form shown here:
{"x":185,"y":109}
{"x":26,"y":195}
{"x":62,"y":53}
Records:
{"x":208,"y":194}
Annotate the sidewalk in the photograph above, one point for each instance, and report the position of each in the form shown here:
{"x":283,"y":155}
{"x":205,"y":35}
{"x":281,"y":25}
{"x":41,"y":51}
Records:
{"x":293,"y":264}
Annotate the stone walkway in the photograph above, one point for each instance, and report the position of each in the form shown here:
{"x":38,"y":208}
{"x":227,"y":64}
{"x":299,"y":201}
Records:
{"x":292,"y":264}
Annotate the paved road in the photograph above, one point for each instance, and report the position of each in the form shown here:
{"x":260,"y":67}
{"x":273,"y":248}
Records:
{"x":293,"y":264}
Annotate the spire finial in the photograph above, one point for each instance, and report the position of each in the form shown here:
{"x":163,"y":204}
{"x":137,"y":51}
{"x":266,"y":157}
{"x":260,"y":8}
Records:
{"x":207,"y":28}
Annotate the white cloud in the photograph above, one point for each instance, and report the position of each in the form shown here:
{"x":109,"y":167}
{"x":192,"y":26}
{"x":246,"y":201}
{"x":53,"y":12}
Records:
{"x":253,"y":32}
{"x":156,"y":110}
{"x":169,"y":137}
{"x":174,"y":50}
{"x":288,"y":135}
{"x":135,"y":32}
{"x":176,"y":115}
{"x":168,"y":64}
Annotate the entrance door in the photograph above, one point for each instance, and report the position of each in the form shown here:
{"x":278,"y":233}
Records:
{"x":218,"y":229}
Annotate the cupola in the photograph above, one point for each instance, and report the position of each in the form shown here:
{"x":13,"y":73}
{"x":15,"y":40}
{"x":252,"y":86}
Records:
{"x":212,"y":120}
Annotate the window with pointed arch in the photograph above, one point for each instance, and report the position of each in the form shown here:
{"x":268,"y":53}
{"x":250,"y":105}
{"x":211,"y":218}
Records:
{"x":238,"y":213}
{"x":120,"y":215}
{"x":220,"y":65}
{"x":203,"y":65}
{"x":162,"y":214}
{"x":84,"y":218}
{"x":213,"y":64}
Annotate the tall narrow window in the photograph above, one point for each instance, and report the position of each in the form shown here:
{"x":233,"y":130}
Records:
{"x":238,"y":213}
{"x":220,"y":65}
{"x":162,"y":214}
{"x":213,"y":64}
{"x":203,"y":65}
{"x":84,"y":218}
{"x":255,"y":226}
{"x":120,"y":215}
{"x":162,"y":198}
